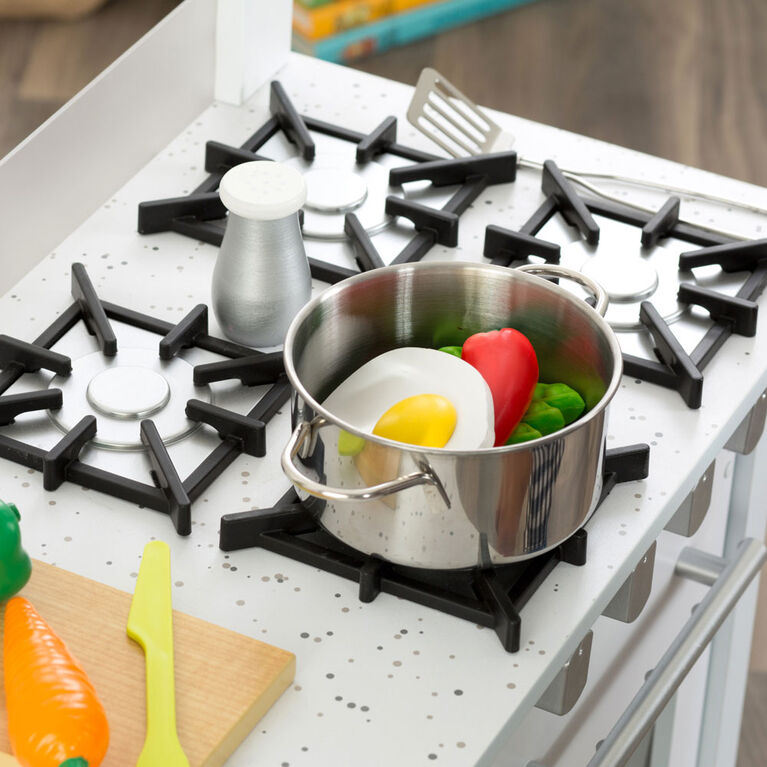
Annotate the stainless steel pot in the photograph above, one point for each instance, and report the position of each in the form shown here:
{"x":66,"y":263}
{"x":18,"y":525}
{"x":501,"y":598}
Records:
{"x":440,"y":508}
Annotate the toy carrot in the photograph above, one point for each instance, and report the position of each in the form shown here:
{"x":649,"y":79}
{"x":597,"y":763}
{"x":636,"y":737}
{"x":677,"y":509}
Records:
{"x":55,"y":718}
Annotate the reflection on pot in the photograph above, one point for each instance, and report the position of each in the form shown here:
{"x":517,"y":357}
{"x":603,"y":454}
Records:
{"x":546,"y":461}
{"x":378,"y":463}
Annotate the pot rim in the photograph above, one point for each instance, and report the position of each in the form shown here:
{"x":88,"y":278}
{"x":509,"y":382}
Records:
{"x":426,"y":266}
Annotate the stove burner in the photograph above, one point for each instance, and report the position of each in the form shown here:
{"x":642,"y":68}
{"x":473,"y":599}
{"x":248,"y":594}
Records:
{"x":121,"y":390}
{"x":676,"y":368}
{"x":348,"y":190}
{"x":630,"y":274}
{"x":107,"y":376}
{"x":337,"y":185}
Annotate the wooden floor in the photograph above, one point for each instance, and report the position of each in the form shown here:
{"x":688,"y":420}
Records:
{"x":686,"y":80}
{"x":44,"y":63}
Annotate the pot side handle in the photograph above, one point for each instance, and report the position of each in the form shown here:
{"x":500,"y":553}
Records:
{"x":306,"y":430}
{"x":554,"y":270}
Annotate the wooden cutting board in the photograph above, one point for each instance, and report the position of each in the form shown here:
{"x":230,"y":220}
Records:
{"x":225,"y":682}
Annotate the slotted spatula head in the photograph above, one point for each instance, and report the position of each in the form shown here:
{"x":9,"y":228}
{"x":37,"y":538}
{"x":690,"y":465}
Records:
{"x":452,"y":120}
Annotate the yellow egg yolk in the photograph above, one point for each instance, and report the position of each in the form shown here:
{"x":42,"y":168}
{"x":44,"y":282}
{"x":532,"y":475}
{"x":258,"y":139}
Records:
{"x":426,"y":420}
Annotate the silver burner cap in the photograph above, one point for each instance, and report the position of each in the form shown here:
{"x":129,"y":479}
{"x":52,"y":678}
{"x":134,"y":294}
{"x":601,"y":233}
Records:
{"x":630,"y":274}
{"x":626,"y":279}
{"x":335,"y":186}
{"x":122,"y":390}
{"x":334,"y":190}
{"x":128,"y":392}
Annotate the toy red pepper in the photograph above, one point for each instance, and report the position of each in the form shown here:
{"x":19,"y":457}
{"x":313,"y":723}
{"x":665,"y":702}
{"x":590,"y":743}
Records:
{"x":507,"y":361}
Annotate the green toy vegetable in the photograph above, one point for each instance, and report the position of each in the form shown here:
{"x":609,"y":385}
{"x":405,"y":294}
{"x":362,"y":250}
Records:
{"x":553,"y":407}
{"x":15,"y":564}
{"x":454,"y":350}
{"x":523,"y":433}
{"x":563,"y":398}
{"x":543,"y":417}
{"x":349,"y":444}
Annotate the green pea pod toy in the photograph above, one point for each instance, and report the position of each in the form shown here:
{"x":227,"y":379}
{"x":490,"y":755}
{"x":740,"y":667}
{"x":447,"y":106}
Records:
{"x":15,"y":564}
{"x":564,"y":399}
{"x":543,"y":417}
{"x":553,"y":407}
{"x":523,"y":433}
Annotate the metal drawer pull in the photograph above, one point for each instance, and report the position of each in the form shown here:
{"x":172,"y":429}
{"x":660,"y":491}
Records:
{"x":699,"y":566}
{"x":747,"y":435}
{"x":632,"y":596}
{"x":686,"y":648}
{"x":566,"y":687}
{"x":690,"y":515}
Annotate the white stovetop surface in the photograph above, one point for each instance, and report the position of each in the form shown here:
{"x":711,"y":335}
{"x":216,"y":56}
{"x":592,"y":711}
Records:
{"x":399,"y":682}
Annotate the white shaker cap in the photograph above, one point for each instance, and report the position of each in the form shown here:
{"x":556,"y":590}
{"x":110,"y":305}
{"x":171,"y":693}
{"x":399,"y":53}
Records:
{"x":263,"y":190}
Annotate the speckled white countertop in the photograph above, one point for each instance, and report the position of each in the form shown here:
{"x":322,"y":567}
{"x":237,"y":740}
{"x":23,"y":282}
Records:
{"x":402,"y":684}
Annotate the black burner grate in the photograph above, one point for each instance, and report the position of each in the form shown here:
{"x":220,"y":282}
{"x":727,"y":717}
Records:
{"x":489,"y":596}
{"x":202,"y":215}
{"x":168,"y":494}
{"x":675,"y":368}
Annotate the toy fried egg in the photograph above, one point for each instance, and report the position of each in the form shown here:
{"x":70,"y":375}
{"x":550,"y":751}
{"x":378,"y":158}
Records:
{"x":419,"y":396}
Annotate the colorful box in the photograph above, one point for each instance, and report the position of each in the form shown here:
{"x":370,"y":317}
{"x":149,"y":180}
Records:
{"x":399,"y":29}
{"x":313,"y":3}
{"x":316,"y":23}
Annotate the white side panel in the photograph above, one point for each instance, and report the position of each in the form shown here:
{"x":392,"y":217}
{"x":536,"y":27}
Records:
{"x":252,"y":43}
{"x":64,"y":170}
{"x":622,"y":655}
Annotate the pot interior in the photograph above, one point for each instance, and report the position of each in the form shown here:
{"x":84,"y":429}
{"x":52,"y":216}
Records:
{"x":436,"y":304}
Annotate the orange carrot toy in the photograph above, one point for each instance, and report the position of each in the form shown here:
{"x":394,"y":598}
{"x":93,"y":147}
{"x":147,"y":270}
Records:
{"x":55,"y":718}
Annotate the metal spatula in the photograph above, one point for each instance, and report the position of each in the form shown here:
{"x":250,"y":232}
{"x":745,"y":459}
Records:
{"x":452,"y":120}
{"x":456,"y":124}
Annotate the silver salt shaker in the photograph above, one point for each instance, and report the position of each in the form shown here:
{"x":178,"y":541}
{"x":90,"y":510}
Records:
{"x":261,"y":278}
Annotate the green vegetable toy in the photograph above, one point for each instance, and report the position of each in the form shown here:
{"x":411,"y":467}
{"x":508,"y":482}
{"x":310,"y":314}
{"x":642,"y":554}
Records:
{"x":523,"y":433}
{"x":553,"y":406}
{"x":15,"y":564}
{"x":564,"y":399}
{"x":543,"y":417}
{"x":349,"y":444}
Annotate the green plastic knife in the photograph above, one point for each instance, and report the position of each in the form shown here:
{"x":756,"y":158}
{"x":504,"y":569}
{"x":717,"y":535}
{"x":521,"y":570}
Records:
{"x":150,"y":623}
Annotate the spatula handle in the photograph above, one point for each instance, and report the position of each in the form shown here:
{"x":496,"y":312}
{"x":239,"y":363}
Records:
{"x":160,"y":705}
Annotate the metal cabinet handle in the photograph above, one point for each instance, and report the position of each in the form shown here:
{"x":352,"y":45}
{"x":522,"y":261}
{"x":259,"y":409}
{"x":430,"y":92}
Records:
{"x":562,"y":272}
{"x":673,"y":667}
{"x":307,"y":431}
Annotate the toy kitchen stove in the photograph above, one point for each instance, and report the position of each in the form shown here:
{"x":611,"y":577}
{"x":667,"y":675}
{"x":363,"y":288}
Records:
{"x":146,"y":404}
